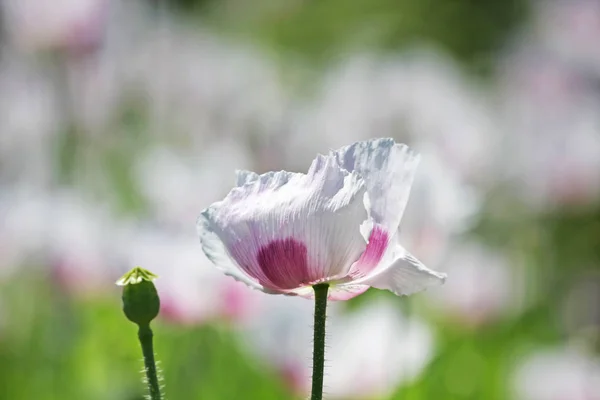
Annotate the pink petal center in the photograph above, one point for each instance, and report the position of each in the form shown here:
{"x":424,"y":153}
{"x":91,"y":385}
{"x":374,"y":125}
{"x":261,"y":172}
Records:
{"x":370,"y":258}
{"x":284,"y":263}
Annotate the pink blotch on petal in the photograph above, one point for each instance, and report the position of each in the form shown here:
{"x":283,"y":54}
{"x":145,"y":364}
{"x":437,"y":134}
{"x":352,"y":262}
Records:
{"x":378,"y":243}
{"x":284,"y":262}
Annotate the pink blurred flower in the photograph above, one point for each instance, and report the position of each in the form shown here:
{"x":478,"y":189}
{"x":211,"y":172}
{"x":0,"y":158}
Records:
{"x":558,"y":374}
{"x":283,"y":232}
{"x":71,"y":25}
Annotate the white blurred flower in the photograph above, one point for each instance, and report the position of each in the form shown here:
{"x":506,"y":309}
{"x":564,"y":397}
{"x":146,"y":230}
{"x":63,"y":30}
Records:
{"x":417,"y":97}
{"x":370,"y":352}
{"x":446,"y":109}
{"x":201,"y":86}
{"x":22,"y":238}
{"x":375,"y":350}
{"x":561,"y":373}
{"x":441,"y":207}
{"x":81,"y":244}
{"x":345,"y":109}
{"x":571,"y":30}
{"x":28,"y":122}
{"x":483,"y":287}
{"x":62,"y":232}
{"x":176,"y":185}
{"x":280,"y":337}
{"x":554,"y":133}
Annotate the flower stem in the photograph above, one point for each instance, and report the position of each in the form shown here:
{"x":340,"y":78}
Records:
{"x":145,"y":335}
{"x":319,"y":340}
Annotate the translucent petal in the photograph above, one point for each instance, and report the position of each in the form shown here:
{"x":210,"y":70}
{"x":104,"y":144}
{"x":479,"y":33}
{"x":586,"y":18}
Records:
{"x":388,"y":169}
{"x":405,"y":276}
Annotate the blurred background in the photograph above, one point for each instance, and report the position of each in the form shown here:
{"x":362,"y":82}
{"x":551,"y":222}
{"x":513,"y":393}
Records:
{"x":120,"y":120}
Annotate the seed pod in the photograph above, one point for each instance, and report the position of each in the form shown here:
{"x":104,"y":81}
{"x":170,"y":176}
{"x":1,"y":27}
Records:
{"x":141,"y":303}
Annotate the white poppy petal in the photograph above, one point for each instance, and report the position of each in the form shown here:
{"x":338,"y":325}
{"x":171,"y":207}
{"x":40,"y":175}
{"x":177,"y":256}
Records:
{"x":287,"y":230}
{"x":388,"y":169}
{"x":244,"y":177}
{"x":284,"y":232}
{"x":337,"y":291}
{"x":346,"y":291}
{"x":216,"y":252}
{"x":405,"y":276}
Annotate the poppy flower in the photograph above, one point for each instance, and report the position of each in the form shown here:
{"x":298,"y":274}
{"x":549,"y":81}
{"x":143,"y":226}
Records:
{"x":284,"y":232}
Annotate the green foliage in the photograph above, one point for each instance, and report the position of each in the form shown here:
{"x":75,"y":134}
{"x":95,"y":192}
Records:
{"x":56,"y":348}
{"x":321,"y":30}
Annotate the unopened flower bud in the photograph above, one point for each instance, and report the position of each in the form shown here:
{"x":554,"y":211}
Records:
{"x":141,"y":303}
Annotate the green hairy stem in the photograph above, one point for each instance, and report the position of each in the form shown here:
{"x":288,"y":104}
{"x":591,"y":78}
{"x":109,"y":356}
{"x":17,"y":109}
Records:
{"x":319,"y":340}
